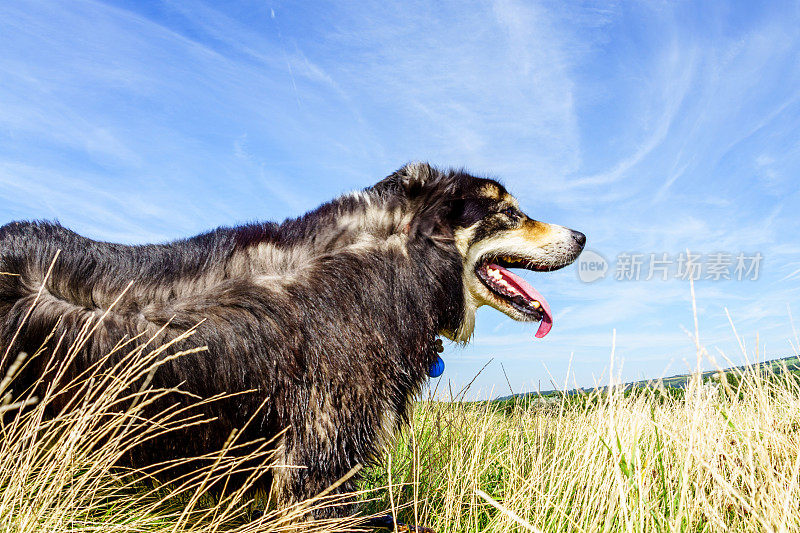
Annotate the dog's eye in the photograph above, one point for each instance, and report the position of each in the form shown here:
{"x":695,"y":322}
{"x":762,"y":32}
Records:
{"x":511,"y":213}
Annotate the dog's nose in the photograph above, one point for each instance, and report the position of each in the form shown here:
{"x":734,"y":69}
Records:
{"x":579,"y":237}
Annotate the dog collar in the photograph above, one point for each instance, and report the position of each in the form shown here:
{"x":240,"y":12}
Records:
{"x":437,"y":368}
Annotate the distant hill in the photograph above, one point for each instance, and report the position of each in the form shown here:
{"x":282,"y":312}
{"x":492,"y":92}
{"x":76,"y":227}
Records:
{"x":678,"y":381}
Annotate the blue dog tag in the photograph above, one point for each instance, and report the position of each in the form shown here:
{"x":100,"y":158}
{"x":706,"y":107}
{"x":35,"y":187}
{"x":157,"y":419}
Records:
{"x":437,"y":368}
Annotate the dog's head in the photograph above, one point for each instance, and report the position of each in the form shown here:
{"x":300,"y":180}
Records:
{"x":491,"y":234}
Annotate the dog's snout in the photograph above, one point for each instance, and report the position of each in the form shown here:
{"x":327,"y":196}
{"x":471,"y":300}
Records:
{"x":579,"y":237}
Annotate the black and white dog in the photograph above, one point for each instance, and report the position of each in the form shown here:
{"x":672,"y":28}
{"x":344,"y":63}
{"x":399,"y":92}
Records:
{"x":333,"y":317}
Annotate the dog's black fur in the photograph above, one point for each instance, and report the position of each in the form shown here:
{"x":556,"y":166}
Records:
{"x":332,"y":317}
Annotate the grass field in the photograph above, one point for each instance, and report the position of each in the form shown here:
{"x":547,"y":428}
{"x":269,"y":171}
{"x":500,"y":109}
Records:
{"x":713,"y":459}
{"x":713,"y":456}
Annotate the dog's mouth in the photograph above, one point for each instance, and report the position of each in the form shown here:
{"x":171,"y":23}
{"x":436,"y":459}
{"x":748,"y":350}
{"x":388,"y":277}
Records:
{"x":513,"y":291}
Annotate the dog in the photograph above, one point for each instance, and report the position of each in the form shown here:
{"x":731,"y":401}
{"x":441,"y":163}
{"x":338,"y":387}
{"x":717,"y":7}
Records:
{"x":332,"y":319}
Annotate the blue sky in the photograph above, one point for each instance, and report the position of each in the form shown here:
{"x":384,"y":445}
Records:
{"x":653,"y":127}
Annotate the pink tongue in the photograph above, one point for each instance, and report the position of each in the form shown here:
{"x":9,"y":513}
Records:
{"x":524,"y":287}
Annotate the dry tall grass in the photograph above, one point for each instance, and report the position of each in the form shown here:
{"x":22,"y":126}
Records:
{"x":59,"y":468}
{"x":718,"y":457}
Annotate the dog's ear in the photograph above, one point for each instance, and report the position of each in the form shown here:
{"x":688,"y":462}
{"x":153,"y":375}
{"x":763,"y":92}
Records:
{"x":429,"y":193}
{"x":411,"y":179}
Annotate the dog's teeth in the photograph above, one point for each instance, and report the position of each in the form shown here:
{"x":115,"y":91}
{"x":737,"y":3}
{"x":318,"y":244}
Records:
{"x":536,"y":305}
